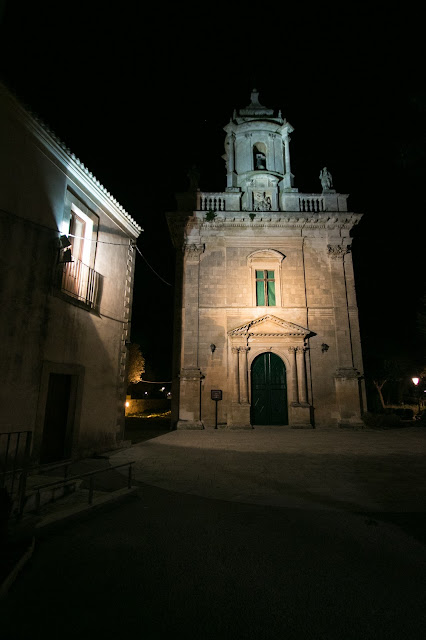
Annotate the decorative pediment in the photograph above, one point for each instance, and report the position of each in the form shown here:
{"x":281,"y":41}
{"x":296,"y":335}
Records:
{"x":269,"y":325}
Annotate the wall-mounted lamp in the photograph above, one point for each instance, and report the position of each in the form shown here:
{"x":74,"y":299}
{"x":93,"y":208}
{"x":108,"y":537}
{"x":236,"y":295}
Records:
{"x":64,"y":243}
{"x":212,"y":348}
{"x":66,"y":256}
{"x":324,"y":347}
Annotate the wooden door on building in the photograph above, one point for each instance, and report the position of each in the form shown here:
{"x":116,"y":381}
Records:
{"x":58,"y":419}
{"x":269,"y":390}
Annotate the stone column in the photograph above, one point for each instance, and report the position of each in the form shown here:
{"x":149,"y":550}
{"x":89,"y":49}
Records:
{"x":239,"y":411}
{"x":348,"y":390}
{"x":299,"y":410}
{"x":294,"y":395}
{"x":287,"y":158}
{"x":230,"y":164}
{"x":235,"y":382}
{"x":271,"y":153}
{"x":301,"y":375}
{"x":190,"y":374}
{"x":243,"y":374}
{"x":336,"y":254}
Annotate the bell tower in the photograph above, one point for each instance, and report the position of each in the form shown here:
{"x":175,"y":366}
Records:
{"x":257,"y":157}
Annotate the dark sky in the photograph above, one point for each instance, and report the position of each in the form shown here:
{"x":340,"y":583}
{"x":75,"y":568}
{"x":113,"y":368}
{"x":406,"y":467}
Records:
{"x":141,"y":96}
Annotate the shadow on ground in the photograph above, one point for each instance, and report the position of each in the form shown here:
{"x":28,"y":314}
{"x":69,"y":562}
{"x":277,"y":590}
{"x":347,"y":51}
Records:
{"x":145,"y":428}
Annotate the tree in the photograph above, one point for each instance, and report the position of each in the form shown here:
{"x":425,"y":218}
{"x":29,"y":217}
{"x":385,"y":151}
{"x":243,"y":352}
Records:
{"x":390,"y":371}
{"x":136,"y":364}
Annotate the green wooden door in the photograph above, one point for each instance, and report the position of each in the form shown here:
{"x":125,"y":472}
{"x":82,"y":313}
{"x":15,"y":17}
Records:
{"x":269,"y":390}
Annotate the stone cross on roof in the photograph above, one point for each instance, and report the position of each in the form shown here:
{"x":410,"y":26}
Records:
{"x":255,"y":108}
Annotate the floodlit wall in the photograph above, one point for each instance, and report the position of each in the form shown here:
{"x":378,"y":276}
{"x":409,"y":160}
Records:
{"x":48,"y":328}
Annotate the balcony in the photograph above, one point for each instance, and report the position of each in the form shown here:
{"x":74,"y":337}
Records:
{"x":80,"y":282}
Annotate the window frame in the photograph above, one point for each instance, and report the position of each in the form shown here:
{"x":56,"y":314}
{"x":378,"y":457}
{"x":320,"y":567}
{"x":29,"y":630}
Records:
{"x":265,"y":279}
{"x":265,"y":260}
{"x":76,"y":280}
{"x":74,"y":205}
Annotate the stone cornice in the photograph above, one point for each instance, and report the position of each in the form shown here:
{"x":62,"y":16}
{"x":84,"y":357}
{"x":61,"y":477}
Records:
{"x":70,"y":164}
{"x":280,"y":219}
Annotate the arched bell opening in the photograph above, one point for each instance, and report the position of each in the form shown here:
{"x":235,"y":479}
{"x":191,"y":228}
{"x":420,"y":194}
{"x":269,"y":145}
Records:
{"x":259,"y":156}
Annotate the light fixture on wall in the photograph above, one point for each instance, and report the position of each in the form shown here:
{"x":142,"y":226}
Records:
{"x":64,"y":243}
{"x":212,"y":348}
{"x":66,"y":256}
{"x":64,"y":250}
{"x":324,"y":347}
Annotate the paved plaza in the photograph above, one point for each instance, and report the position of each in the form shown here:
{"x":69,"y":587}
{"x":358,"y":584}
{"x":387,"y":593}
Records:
{"x":367,"y":470}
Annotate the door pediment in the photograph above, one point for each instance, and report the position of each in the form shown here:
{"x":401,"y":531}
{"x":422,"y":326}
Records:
{"x":269,"y":326}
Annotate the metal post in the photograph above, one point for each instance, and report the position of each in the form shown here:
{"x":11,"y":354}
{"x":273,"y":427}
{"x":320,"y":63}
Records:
{"x":37,"y":505}
{"x":91,"y":485}
{"x":24,"y":474}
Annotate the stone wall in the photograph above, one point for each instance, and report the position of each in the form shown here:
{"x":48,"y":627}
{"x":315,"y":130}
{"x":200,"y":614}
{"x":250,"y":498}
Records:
{"x":156,"y":405}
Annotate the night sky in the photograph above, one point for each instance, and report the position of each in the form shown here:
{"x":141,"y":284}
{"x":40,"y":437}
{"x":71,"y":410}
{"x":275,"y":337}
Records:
{"x":140,"y":97}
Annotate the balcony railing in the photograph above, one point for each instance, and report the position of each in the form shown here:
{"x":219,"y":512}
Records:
{"x":301,"y":202}
{"x":79,"y":281}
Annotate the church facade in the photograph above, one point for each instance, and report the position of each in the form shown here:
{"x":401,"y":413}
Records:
{"x":266,"y":318}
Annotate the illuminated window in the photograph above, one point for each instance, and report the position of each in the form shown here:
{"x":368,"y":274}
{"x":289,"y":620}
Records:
{"x":264,"y":270}
{"x":265,"y":288}
{"x":77,"y":277}
{"x":80,"y":235}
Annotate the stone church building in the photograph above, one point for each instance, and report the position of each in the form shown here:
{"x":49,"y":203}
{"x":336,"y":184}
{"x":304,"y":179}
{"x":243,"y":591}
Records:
{"x":266,"y":311}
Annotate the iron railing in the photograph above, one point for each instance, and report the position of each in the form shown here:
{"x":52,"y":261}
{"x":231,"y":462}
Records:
{"x":73,"y":479}
{"x":79,"y":281}
{"x":15,"y":451}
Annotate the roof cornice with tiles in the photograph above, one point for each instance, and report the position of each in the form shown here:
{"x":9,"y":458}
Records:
{"x":74,"y":165}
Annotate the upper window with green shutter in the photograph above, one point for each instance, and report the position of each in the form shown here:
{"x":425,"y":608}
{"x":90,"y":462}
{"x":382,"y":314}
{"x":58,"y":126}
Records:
{"x":265,"y":288}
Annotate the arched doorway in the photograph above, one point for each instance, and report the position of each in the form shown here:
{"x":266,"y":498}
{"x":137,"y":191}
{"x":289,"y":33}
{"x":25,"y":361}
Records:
{"x":268,"y":390}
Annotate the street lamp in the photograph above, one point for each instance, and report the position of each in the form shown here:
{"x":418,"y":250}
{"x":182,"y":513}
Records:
{"x":416,"y":381}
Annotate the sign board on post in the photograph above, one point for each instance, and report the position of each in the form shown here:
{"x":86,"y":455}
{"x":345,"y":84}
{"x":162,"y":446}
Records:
{"x":216,"y":395}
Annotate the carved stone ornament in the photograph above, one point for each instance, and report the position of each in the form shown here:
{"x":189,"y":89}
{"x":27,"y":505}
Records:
{"x":193,"y":250}
{"x":338,"y":250}
{"x":261,"y":201}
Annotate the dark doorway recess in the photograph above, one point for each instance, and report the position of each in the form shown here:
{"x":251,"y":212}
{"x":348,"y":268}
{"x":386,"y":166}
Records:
{"x":58,"y":418}
{"x":269,"y":390}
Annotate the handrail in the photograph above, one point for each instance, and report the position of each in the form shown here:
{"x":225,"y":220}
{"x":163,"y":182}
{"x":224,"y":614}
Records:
{"x":43,"y":467}
{"x":78,"y":476}
{"x":36,"y":490}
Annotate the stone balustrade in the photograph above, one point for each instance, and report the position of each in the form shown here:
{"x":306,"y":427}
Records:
{"x":218,"y":201}
{"x":302,"y":202}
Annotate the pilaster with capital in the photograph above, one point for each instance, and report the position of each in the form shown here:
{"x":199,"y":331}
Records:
{"x":190,"y":374}
{"x":235,"y":378}
{"x":230,"y":157}
{"x":336,"y":253}
{"x":243,"y":374}
{"x":301,"y":375}
{"x":287,"y":167}
{"x":294,"y":394}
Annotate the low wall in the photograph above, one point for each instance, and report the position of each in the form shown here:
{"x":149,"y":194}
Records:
{"x":156,"y":405}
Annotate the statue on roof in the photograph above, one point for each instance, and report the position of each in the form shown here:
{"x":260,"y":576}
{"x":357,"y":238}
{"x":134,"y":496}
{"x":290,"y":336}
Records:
{"x":326,"y":179}
{"x":194,"y":178}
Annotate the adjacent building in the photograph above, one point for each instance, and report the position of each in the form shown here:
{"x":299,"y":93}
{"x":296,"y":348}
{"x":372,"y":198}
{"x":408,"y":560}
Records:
{"x":266,"y":318}
{"x":67,"y":264}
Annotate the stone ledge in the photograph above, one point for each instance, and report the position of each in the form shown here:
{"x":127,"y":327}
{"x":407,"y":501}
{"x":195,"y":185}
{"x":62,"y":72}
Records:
{"x":189,"y":424}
